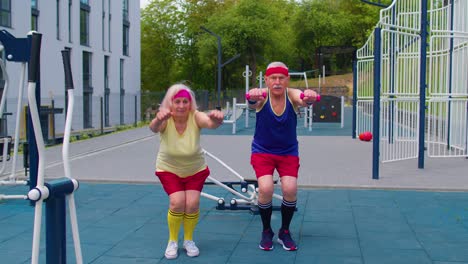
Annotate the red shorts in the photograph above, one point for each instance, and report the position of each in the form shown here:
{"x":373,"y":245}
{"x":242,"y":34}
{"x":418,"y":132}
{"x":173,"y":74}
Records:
{"x":265,"y":164}
{"x":173,"y":183}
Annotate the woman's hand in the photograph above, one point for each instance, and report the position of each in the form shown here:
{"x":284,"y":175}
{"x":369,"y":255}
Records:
{"x":212,"y":120}
{"x":216,"y":116}
{"x":159,"y":122}
{"x":163,"y":115}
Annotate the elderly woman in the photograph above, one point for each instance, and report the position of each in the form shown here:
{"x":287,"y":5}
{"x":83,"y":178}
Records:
{"x":180,"y":164}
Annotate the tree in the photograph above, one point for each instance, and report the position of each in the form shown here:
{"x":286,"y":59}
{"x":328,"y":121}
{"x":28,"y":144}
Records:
{"x":174,"y":48}
{"x":160,"y":27}
{"x":324,"y":23}
{"x":196,"y":13}
{"x":254,"y":29}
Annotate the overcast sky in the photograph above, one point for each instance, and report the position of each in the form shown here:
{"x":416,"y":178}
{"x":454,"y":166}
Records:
{"x":143,"y":3}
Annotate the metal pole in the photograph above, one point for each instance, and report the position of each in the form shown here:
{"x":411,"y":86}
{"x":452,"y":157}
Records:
{"x":32,"y":143}
{"x":219,"y":63}
{"x":52,"y":103}
{"x":355,"y":69}
{"x":376,"y":112}
{"x":136,"y":116}
{"x":56,"y":250}
{"x":102,"y":115}
{"x":219,"y":69}
{"x":422,"y":85}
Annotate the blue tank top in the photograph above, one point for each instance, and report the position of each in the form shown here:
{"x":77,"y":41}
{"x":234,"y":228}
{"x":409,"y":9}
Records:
{"x":276,"y":134}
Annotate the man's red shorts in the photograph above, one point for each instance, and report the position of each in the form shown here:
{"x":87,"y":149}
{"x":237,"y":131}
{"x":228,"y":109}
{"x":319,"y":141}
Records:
{"x":173,"y":183}
{"x":265,"y":164}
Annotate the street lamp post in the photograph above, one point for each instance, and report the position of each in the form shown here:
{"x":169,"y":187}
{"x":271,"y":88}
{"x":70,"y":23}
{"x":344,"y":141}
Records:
{"x":219,"y":62}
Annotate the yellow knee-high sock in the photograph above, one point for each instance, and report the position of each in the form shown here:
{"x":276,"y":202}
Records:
{"x":190,"y":222}
{"x":174,"y":221}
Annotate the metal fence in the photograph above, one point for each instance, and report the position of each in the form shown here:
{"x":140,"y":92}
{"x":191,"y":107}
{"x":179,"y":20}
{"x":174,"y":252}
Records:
{"x":413,"y":95}
{"x":103,"y":113}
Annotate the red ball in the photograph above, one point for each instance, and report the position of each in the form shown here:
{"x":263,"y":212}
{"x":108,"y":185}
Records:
{"x":361,"y":136}
{"x":365,"y":136}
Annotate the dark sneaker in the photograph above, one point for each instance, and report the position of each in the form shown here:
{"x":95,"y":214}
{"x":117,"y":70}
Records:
{"x":267,"y":240}
{"x":284,"y":238}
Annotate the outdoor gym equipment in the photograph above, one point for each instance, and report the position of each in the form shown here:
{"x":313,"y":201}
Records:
{"x":232,"y":114}
{"x":246,"y":198}
{"x":52,"y":193}
{"x":6,"y":141}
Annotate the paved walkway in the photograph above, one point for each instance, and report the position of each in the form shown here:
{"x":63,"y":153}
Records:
{"x":410,"y":215}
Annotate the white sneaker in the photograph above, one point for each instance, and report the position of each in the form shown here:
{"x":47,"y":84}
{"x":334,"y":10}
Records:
{"x":191,"y":248}
{"x":171,"y":250}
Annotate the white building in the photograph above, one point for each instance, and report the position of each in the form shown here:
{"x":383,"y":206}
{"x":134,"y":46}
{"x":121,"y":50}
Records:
{"x":104,"y":39}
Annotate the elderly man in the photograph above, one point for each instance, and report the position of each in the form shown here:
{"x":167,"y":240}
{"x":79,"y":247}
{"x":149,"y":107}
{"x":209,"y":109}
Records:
{"x":275,"y":146}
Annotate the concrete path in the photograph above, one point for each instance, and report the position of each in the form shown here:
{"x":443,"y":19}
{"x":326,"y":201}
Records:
{"x":326,"y":161}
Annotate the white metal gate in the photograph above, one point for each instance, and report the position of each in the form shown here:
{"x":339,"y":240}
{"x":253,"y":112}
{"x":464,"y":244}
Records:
{"x":399,"y":93}
{"x":448,"y":81}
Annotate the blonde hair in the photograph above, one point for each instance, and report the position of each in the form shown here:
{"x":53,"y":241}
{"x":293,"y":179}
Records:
{"x":173,"y":90}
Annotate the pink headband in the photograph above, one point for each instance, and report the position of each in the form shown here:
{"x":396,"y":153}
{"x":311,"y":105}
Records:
{"x":280,"y":70}
{"x":183,"y":93}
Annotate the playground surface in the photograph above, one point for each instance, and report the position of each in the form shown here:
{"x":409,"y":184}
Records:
{"x":409,"y":215}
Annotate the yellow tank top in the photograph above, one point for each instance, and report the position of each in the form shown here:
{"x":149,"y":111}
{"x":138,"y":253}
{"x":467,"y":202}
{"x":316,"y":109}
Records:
{"x":181,"y":154}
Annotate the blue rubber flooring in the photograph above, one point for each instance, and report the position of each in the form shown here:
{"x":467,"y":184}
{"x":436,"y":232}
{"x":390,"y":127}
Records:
{"x":126,"y":223}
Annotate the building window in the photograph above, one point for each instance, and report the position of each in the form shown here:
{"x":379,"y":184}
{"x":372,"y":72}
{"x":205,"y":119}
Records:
{"x":103,"y":22}
{"x":87,"y":69}
{"x":34,"y":15}
{"x":70,"y":21}
{"x":85,"y":9}
{"x":5,"y":13}
{"x":125,"y":28}
{"x":125,"y":40}
{"x":109,"y":26}
{"x":87,"y":90}
{"x":58,"y":19}
{"x":106,"y":91}
{"x":122,"y":93}
{"x":125,"y":10}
